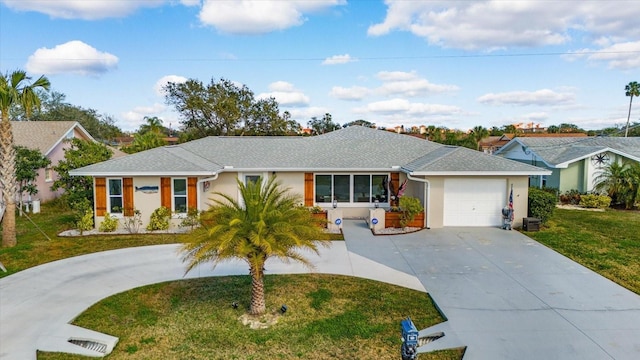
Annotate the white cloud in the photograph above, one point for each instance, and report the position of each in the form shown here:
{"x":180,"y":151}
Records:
{"x":163,"y":81}
{"x":285,"y":94}
{"x":282,"y":86}
{"x":623,"y":56}
{"x":409,"y":84}
{"x":73,"y":57}
{"x":260,"y":16}
{"x":394,"y":112}
{"x":495,"y":24}
{"x":338,"y":59}
{"x":351,"y":94}
{"x":83,"y":9}
{"x":544,"y":97}
{"x":303,"y":115}
{"x":404,"y":106}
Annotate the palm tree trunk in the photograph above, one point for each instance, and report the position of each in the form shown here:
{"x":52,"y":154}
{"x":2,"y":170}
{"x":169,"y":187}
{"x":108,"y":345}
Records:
{"x":258,"y":306}
{"x":8,"y":182}
{"x":626,"y":131}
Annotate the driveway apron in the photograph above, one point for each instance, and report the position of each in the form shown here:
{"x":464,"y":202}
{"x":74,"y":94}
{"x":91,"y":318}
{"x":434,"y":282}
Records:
{"x":507,"y":296}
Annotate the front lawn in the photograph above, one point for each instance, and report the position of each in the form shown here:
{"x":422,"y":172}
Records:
{"x":606,"y":242}
{"x":328,"y":317}
{"x":35,"y":249}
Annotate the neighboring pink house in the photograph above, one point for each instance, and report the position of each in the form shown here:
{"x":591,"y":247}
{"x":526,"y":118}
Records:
{"x":48,"y":137}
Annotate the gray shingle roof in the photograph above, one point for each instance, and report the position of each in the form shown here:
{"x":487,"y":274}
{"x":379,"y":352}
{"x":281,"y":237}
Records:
{"x":41,"y":135}
{"x":556,"y":151}
{"x":350,"y":149}
{"x":458,"y":159}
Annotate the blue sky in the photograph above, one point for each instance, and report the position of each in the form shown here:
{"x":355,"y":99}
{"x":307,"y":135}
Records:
{"x":456,"y":64}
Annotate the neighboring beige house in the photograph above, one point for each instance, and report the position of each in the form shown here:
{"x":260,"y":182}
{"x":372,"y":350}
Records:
{"x":355,"y":166}
{"x":48,"y":137}
{"x":574,"y":162}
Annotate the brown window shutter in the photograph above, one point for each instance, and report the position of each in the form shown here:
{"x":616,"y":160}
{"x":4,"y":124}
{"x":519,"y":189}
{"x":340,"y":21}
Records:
{"x":395,"y":181}
{"x":192,"y":193}
{"x":308,"y":189}
{"x":101,"y":196}
{"x":127,"y":196}
{"x":165,"y":192}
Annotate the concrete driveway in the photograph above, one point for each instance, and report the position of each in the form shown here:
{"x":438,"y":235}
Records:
{"x":505,"y":295}
{"x":509,"y":297}
{"x":37,"y":304}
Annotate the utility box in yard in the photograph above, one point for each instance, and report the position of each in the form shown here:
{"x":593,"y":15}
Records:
{"x":531,"y":224}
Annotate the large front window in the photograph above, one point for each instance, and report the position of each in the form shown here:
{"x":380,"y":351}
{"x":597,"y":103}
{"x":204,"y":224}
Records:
{"x":180,"y":196}
{"x":360,"y":188}
{"x":115,"y":196}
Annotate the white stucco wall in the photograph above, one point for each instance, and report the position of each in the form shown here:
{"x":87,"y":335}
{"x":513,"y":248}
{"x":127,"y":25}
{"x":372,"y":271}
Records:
{"x":226,"y":183}
{"x":436,"y":198}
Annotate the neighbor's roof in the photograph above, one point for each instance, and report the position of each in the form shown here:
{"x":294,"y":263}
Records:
{"x":43,"y":135}
{"x":564,"y":150}
{"x":355,"y":148}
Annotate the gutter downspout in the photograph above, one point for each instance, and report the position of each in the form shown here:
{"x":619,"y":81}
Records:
{"x":200,"y":181}
{"x":427,"y":197}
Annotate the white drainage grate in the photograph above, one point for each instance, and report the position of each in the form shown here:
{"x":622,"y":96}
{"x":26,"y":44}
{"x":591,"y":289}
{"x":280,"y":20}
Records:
{"x":424,"y":340}
{"x":91,"y":345}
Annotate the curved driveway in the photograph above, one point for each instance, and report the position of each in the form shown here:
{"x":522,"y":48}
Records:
{"x":37,"y":304}
{"x":505,"y":295}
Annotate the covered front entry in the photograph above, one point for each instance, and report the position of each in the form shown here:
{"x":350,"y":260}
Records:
{"x":474,"y":201}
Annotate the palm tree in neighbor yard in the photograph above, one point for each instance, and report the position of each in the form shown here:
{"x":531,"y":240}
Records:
{"x":621,"y":182}
{"x":479,"y":132}
{"x":14,"y":90}
{"x":265,"y":223}
{"x":631,"y":90}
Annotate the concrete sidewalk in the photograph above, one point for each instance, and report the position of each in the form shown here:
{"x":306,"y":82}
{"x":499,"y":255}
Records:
{"x":507,"y":296}
{"x":36,"y":305}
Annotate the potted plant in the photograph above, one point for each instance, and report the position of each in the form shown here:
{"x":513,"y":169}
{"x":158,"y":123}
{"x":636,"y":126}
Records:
{"x":410,"y":207}
{"x":409,"y":213}
{"x":319,"y":213}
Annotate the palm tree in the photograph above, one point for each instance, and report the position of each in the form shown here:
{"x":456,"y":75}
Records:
{"x":631,"y":90}
{"x":621,"y":181}
{"x":145,"y":141}
{"x":14,"y":90}
{"x":479,"y":132}
{"x":154,"y":125}
{"x":265,"y":223}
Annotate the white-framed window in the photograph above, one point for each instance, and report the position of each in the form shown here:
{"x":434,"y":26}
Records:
{"x":352,"y":188}
{"x":114,"y":196}
{"x":251,"y":178}
{"x":179,"y":195}
{"x":48,"y":174}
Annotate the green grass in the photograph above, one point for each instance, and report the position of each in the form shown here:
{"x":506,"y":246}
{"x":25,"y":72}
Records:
{"x":328,"y":317}
{"x":35,"y":249}
{"x":605,"y":242}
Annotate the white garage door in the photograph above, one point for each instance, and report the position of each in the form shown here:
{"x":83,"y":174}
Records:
{"x":474,"y":202}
